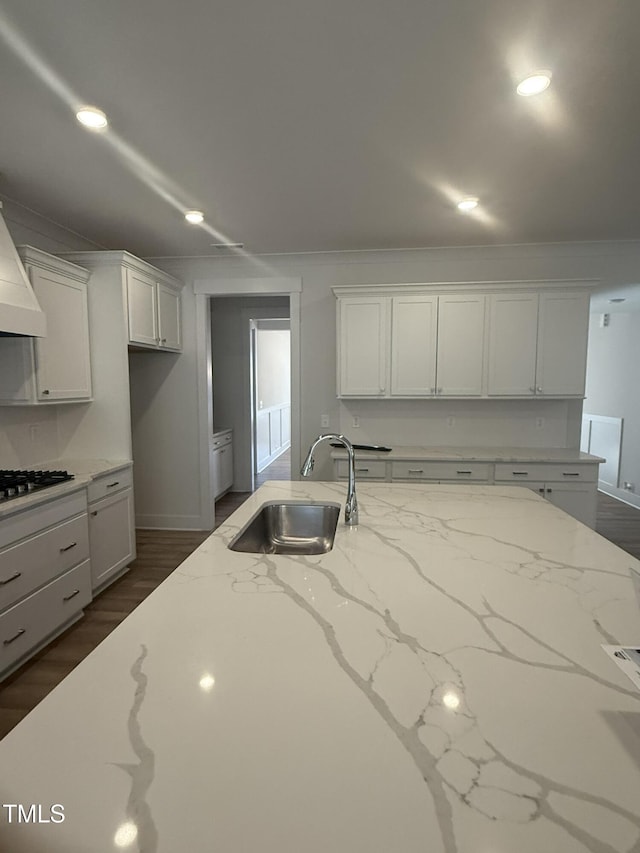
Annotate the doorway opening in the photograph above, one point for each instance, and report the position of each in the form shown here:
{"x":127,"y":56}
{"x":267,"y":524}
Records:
{"x":270,"y":341}
{"x":254,"y":357}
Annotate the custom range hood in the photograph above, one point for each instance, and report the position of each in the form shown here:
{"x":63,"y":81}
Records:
{"x":20,"y":313}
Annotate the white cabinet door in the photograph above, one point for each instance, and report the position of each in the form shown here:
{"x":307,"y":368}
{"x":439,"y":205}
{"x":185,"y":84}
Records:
{"x":63,"y":364}
{"x":460,"y":361}
{"x":414,"y":329}
{"x":362,"y":346}
{"x":512,"y":344}
{"x":226,"y":467}
{"x":56,"y":368}
{"x":169,"y":321}
{"x":579,"y":500}
{"x":563,"y":328}
{"x":111,"y":536}
{"x":142,"y":309}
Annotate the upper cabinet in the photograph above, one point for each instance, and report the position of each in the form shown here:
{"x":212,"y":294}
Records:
{"x":537,"y":344}
{"x":57,"y":368}
{"x":153,"y":311}
{"x":426,"y":357}
{"x":363,"y":336}
{"x":491,"y":340}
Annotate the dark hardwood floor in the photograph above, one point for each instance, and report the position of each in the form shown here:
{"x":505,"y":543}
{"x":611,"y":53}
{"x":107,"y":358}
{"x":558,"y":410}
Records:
{"x":159,"y":553}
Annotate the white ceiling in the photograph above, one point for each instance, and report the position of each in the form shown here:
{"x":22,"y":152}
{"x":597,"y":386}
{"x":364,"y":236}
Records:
{"x":318,"y":125}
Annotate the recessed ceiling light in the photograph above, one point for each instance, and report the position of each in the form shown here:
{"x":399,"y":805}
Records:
{"x":92,"y":117}
{"x":534,"y":84}
{"x":467,"y":204}
{"x":195,"y":217}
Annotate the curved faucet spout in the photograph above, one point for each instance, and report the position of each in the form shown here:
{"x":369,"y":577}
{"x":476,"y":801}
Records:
{"x":351,"y":505}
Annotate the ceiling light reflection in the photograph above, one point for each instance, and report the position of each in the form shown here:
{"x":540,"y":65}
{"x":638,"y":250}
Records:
{"x":451,"y":700}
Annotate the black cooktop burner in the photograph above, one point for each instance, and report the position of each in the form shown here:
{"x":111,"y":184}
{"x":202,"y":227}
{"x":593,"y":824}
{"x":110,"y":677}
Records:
{"x":15,"y":484}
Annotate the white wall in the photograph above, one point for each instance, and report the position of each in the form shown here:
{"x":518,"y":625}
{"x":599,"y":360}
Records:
{"x":273,"y":347}
{"x":613,"y":388}
{"x":401,"y":422}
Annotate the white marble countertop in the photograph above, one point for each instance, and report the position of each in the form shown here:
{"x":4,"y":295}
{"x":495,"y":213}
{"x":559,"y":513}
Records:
{"x":83,"y":470}
{"x":434,"y":684}
{"x":477,"y":454}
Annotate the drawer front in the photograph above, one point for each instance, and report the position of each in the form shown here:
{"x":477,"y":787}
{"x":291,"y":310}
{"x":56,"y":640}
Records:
{"x":366,"y":469}
{"x":110,"y":483}
{"x":452,"y":471}
{"x":547,"y":472}
{"x":221,"y":440}
{"x":27,"y":624}
{"x":31,"y":521}
{"x":34,"y":562}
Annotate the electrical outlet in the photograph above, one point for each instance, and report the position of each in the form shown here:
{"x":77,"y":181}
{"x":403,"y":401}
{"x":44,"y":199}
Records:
{"x":451,"y":421}
{"x":539,"y":423}
{"x":324,"y":421}
{"x":34,"y":431}
{"x":355,"y":422}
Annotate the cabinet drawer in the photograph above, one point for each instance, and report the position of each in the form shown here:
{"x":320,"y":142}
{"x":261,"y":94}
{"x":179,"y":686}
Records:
{"x":32,"y":521}
{"x":366,"y":469}
{"x":28,"y":624}
{"x":547,"y":472}
{"x":32,"y":562}
{"x":110,"y":483}
{"x":452,"y":471}
{"x":221,"y":440}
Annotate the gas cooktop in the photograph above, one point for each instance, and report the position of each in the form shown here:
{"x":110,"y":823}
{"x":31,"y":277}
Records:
{"x":16,"y":484}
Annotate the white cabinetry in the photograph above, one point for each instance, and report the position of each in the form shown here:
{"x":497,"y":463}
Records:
{"x":460,"y":345}
{"x":153,"y":312}
{"x":111,"y":526}
{"x":57,"y":368}
{"x":363,"y":336}
{"x":222,"y":462}
{"x":414,"y":340}
{"x":537,"y":344}
{"x":491,"y":339}
{"x":45,"y":578}
{"x":572,"y":488}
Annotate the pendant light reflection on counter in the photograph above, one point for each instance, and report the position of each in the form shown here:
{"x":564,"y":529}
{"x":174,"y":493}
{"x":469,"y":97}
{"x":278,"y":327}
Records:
{"x":126,"y":834}
{"x":207,"y":683}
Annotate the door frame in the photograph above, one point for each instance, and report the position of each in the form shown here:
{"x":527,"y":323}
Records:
{"x":204,"y":289}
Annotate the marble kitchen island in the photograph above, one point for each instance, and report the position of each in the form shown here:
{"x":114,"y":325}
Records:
{"x":436,"y":682}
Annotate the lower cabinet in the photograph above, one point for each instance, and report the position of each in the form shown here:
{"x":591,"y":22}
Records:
{"x":111,"y":527}
{"x":222,"y":463}
{"x":45,"y":576}
{"x":573,"y":487}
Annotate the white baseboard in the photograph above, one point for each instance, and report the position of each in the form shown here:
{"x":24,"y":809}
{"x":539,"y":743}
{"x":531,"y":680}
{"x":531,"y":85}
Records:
{"x":621,"y":495}
{"x":264,"y":463}
{"x":169,"y":522}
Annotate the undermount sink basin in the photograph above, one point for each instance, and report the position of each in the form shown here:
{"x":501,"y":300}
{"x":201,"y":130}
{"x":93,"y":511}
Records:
{"x":289,"y":527}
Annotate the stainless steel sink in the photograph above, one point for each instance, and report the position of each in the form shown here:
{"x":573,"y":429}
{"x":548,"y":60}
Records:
{"x":289,"y":527}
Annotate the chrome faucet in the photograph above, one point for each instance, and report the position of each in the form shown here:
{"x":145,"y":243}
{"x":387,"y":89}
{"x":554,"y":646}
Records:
{"x":351,"y":506}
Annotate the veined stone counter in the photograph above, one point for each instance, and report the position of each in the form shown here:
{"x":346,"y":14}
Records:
{"x":434,"y":683}
{"x":476,"y":454}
